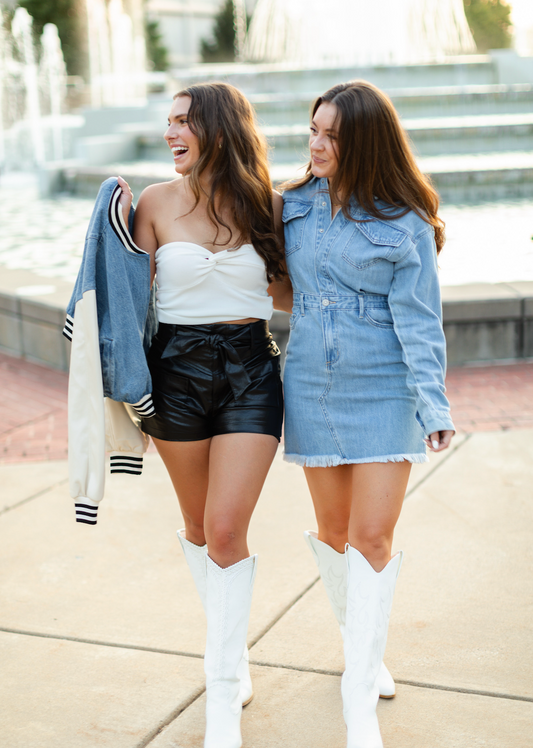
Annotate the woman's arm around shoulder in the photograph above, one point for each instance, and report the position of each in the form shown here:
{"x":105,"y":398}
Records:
{"x":280,"y":290}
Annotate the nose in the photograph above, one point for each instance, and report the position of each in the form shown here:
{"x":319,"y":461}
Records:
{"x":169,"y":133}
{"x":316,"y":143}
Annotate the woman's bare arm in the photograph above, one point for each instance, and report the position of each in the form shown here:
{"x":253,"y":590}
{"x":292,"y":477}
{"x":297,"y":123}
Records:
{"x":281,"y":291}
{"x":143,"y":227}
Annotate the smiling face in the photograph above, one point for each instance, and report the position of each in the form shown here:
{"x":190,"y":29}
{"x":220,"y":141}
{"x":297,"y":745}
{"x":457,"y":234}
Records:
{"x":182,"y":141}
{"x":323,"y":141}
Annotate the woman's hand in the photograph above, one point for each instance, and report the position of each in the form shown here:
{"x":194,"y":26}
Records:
{"x":439,"y":440}
{"x":281,"y":292}
{"x":125,"y":199}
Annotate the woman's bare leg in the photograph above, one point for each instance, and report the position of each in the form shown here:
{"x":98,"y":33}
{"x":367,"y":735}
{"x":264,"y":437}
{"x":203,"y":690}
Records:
{"x":188,"y":466}
{"x":359,"y":504}
{"x":331,"y":491}
{"x":238,"y":466}
{"x":377,"y":498}
{"x":218,"y":482}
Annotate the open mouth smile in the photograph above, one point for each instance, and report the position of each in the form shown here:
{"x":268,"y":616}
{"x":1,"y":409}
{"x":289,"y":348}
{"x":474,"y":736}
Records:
{"x":178,"y":150}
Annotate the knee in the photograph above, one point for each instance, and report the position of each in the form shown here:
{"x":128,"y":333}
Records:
{"x":374,"y":544}
{"x":223,"y":544}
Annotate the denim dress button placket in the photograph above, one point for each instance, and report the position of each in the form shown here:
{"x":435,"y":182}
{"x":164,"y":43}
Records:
{"x":326,"y":284}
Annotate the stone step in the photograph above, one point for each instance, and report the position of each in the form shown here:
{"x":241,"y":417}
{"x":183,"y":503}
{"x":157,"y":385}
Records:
{"x":467,"y":70}
{"x":458,"y":177}
{"x":444,"y":101}
{"x":432,"y":136}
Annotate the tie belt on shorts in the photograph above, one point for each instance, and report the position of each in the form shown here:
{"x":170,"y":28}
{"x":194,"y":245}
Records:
{"x":358,"y":302}
{"x":185,"y":339}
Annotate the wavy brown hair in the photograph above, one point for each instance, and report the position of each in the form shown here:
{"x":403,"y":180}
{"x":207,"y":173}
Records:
{"x":375,"y":158}
{"x":219,"y":114}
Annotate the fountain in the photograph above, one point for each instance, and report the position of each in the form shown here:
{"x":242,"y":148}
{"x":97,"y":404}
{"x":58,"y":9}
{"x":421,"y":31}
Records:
{"x":53,"y":84}
{"x":32,"y":95}
{"x":3,"y":77}
{"x":239,"y":16}
{"x":117,"y":53}
{"x":35,"y":128}
{"x":358,"y":32}
{"x":522,"y":17}
{"x":20,"y":92}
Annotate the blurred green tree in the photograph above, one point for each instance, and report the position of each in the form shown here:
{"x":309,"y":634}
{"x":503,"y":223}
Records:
{"x":222,"y":48}
{"x":156,"y":52}
{"x":65,"y":15}
{"x":490,"y":23}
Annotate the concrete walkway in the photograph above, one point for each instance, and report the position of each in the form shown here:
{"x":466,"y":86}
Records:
{"x":101,"y":632}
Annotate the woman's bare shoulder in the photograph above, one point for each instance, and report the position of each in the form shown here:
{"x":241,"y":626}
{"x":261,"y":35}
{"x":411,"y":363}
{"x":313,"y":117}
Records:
{"x":162,"y":191}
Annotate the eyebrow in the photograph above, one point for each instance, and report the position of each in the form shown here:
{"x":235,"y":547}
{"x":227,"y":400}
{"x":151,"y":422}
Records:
{"x":184,"y":115}
{"x":329,"y":129}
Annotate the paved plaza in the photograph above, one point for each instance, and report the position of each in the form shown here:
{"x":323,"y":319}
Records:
{"x":101,"y":632}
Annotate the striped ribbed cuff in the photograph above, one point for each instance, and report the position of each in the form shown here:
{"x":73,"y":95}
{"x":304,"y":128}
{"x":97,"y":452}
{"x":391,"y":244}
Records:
{"x":68,"y":328}
{"x":126,"y":463}
{"x":86,"y":513}
{"x":145,"y":407}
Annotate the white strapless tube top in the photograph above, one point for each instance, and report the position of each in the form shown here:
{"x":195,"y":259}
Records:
{"x":199,"y":287}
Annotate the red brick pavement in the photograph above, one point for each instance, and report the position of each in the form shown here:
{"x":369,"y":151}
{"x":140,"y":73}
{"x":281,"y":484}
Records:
{"x":488,"y":398}
{"x":33,"y":409}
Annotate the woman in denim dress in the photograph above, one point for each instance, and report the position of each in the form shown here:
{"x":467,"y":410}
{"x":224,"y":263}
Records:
{"x":365,"y":367}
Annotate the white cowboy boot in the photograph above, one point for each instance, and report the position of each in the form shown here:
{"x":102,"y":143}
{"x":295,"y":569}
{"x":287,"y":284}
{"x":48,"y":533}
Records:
{"x":369,"y":603}
{"x":195,"y":556}
{"x":228,"y":601}
{"x":332,"y":568}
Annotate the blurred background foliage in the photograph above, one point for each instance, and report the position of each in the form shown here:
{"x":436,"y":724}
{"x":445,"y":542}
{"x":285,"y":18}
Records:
{"x":222,"y":47}
{"x":156,"y":52}
{"x":490,"y":23}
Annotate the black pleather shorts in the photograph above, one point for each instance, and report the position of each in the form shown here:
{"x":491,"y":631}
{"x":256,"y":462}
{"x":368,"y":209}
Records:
{"x":214,"y":379}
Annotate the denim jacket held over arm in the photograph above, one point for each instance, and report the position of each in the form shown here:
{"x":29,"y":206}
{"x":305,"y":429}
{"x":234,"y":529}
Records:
{"x":110,"y":322}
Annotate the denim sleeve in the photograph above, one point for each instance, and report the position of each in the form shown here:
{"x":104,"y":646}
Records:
{"x":417,"y":314}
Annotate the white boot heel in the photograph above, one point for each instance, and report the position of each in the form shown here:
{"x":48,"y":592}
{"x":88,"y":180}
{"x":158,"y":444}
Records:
{"x":334,"y":575}
{"x":369,"y":603}
{"x":195,"y":555}
{"x":228,"y":602}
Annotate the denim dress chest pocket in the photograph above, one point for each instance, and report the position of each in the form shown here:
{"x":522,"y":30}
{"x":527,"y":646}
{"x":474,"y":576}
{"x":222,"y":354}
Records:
{"x":369,"y":256}
{"x":295,"y":217}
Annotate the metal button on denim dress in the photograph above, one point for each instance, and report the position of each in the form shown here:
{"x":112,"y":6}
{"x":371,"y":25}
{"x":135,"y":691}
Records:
{"x":364,"y":373}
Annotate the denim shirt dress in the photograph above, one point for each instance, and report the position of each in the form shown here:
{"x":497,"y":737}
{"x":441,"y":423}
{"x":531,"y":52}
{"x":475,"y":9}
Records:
{"x":366,"y":359}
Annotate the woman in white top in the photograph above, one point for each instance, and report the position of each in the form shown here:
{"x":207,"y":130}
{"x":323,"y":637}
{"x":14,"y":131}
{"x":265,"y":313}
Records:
{"x":214,"y":237}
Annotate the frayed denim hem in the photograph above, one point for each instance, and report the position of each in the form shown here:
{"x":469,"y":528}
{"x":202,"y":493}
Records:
{"x":334,"y":460}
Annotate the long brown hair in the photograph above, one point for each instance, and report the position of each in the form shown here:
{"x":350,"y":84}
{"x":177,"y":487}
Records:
{"x":235,"y":152}
{"x":375,"y":159}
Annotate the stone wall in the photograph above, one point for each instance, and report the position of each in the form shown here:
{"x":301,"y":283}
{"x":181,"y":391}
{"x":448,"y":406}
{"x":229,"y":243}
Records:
{"x":483,"y":322}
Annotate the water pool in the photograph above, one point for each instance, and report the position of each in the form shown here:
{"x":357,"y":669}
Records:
{"x":489,"y":242}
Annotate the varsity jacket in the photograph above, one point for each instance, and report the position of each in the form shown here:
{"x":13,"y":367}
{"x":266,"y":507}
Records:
{"x":110,"y":322}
